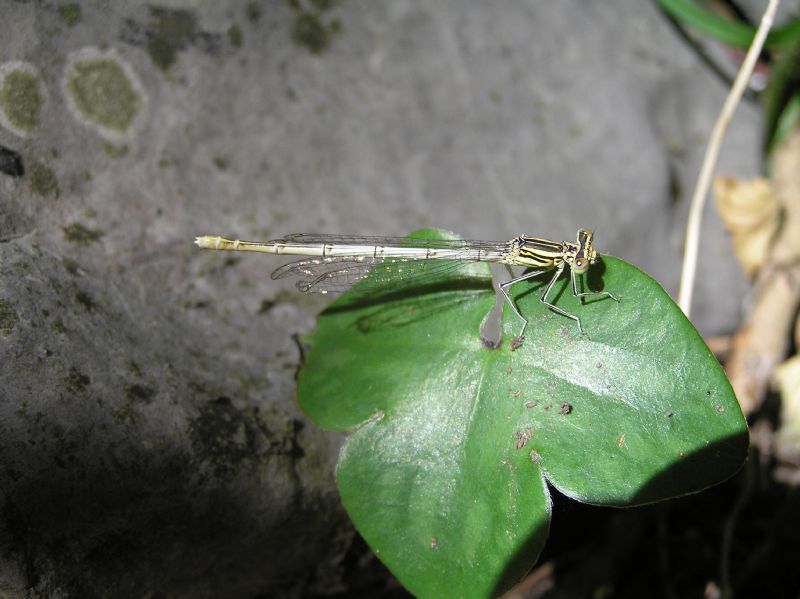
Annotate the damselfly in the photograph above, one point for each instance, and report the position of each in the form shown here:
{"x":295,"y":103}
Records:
{"x":339,"y":261}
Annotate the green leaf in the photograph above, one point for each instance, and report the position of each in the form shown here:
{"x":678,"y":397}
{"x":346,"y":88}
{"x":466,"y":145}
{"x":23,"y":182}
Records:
{"x":453,"y":442}
{"x":734,"y":33}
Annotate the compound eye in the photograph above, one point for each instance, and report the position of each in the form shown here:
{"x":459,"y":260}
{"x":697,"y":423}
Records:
{"x":580,"y":263}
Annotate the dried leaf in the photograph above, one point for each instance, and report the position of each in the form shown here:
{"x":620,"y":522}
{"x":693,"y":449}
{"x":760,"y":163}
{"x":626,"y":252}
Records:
{"x":751,"y":213}
{"x":760,"y":345}
{"x":763,"y":340}
{"x":787,"y":439}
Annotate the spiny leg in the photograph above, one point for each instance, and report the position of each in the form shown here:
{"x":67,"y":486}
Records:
{"x":504,"y":288}
{"x":552,"y":306}
{"x":584,"y":294}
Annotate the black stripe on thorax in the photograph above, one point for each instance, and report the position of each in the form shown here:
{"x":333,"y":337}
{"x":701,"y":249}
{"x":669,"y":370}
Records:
{"x":534,"y":247}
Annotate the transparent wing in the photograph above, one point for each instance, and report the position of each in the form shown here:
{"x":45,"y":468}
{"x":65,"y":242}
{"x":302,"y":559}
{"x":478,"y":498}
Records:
{"x":367,"y":240}
{"x":328,"y":274}
{"x":336,"y":274}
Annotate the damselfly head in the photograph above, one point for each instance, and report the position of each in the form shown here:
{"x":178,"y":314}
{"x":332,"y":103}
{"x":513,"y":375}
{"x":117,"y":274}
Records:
{"x":585,"y":254}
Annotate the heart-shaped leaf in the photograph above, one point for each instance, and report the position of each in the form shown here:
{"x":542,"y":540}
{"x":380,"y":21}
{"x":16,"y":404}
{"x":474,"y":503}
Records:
{"x":452,"y":442}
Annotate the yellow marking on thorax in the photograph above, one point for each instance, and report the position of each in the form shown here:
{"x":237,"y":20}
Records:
{"x":533,"y":252}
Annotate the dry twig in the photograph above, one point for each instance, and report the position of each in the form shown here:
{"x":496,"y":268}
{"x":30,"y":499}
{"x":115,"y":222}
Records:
{"x":710,"y":158}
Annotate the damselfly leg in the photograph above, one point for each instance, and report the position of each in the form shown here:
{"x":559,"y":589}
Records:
{"x":529,"y":275}
{"x":504,"y":289}
{"x":584,"y":294}
{"x":558,"y":271}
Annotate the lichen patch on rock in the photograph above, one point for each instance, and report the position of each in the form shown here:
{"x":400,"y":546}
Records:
{"x":21,"y":97}
{"x":104,"y":93}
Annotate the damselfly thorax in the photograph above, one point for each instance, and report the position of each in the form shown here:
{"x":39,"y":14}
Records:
{"x":535,"y":252}
{"x":335,"y":262}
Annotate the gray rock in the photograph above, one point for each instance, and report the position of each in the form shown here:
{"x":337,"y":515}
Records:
{"x":149,"y":440}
